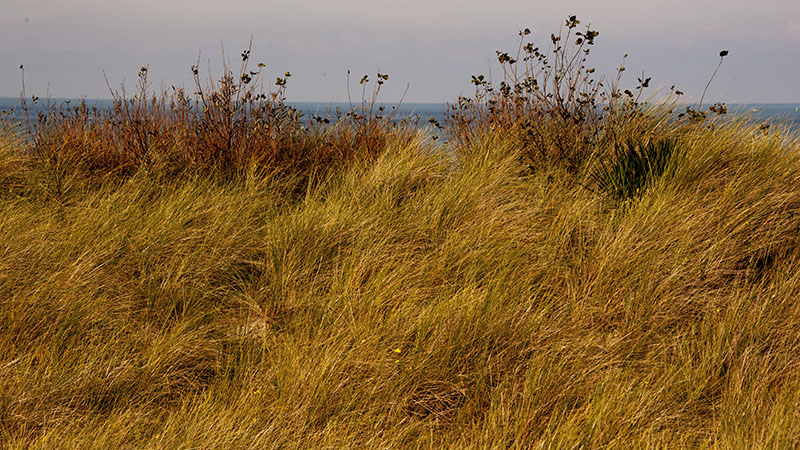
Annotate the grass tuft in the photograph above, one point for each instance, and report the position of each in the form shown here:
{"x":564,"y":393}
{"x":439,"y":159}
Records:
{"x":634,"y":167}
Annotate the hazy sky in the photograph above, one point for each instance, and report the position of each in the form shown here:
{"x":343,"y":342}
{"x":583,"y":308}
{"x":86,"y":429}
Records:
{"x":432,"y":45}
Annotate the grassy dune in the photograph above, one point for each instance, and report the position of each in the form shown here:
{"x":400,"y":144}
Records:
{"x":418,"y":299}
{"x":225,"y":276}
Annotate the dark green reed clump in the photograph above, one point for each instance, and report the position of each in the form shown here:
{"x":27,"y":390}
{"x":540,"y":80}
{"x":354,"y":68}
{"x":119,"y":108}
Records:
{"x":634,"y":166}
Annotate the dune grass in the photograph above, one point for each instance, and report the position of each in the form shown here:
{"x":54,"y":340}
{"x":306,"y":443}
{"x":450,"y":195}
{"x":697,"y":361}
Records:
{"x":420,"y":299}
{"x":224,"y":277}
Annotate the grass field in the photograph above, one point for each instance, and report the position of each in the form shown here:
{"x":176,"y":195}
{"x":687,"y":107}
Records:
{"x":171,"y":282}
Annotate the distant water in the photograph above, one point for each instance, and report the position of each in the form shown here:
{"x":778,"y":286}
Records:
{"x":787,"y":113}
{"x":424,"y":111}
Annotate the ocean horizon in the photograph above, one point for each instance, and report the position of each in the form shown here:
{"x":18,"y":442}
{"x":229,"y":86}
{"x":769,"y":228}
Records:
{"x":773,"y":113}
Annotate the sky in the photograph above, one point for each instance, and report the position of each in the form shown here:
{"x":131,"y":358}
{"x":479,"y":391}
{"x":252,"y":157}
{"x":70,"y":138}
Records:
{"x":69,"y":48}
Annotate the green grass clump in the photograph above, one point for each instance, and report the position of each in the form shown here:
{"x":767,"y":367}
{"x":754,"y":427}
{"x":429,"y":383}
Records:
{"x":388,"y":293}
{"x":635,"y":165}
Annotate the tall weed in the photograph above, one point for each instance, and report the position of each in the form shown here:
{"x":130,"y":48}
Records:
{"x":549,"y":98}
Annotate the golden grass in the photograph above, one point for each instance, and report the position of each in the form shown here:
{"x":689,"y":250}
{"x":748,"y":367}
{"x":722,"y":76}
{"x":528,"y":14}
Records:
{"x":419,"y":298}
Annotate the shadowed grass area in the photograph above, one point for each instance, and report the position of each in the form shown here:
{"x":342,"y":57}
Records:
{"x":226,"y":277}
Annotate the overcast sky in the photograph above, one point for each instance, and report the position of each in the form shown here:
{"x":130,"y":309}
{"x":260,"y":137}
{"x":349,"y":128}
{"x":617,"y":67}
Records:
{"x":433,"y":46}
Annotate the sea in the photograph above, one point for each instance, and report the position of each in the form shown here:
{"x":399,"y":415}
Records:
{"x":787,"y":114}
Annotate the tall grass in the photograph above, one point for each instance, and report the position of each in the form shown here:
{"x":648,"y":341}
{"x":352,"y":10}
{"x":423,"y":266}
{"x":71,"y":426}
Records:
{"x":372,"y":290}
